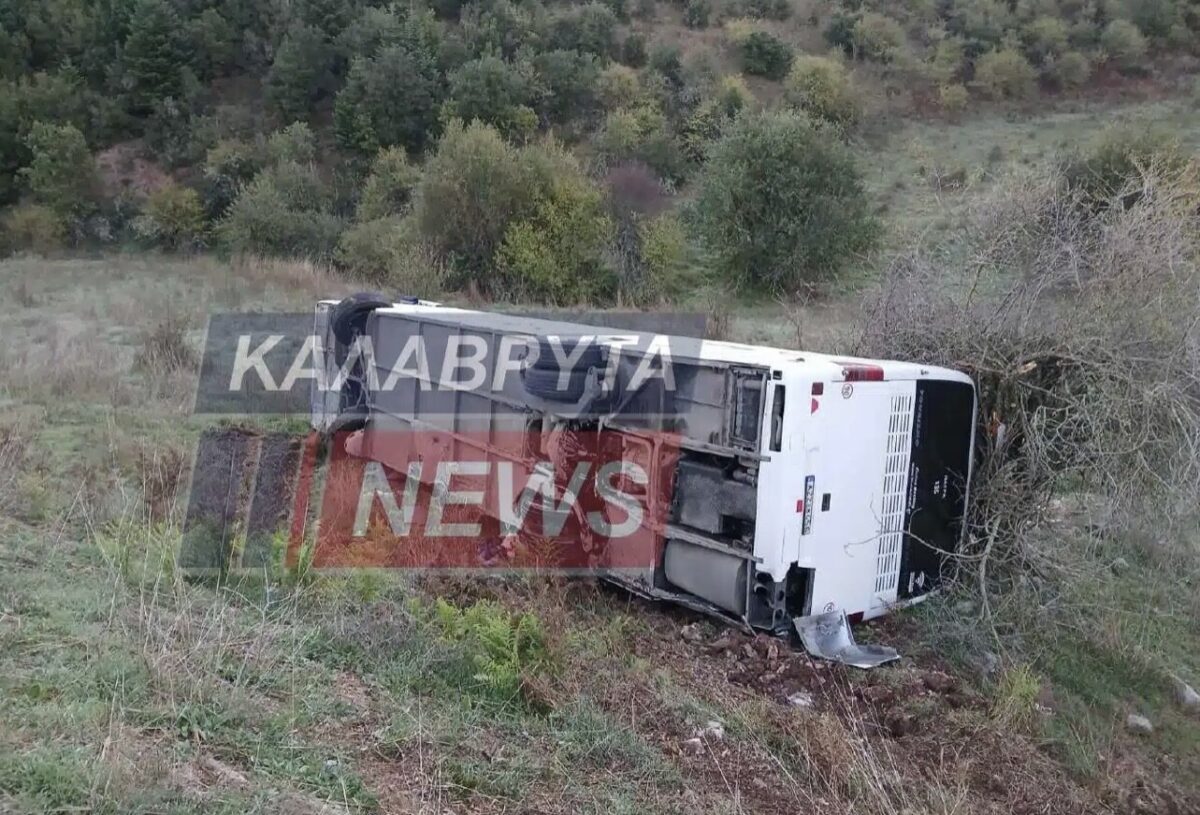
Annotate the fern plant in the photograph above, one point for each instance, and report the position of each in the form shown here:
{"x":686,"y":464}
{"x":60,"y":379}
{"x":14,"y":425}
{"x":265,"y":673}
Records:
{"x":504,"y":649}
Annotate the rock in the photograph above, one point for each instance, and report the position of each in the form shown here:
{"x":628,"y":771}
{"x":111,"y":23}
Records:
{"x":801,"y":699}
{"x":878,"y":694}
{"x":331,"y":766}
{"x":1119,"y":566}
{"x":1138,"y":724}
{"x":988,"y":664}
{"x":1185,"y":694}
{"x":693,"y":747}
{"x":712,"y":730}
{"x":691,"y":633}
{"x":937,"y":681}
{"x":899,"y":723}
{"x":721,"y":645}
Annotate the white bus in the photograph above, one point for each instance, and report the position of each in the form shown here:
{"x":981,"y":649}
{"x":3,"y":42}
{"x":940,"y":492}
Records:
{"x":802,"y":484}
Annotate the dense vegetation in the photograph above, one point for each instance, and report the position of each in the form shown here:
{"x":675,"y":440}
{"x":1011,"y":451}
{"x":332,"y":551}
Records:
{"x":519,"y":149}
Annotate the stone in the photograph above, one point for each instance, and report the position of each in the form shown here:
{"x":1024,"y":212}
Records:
{"x":691,"y":633}
{"x":1139,"y":724}
{"x":802,"y":700}
{"x":693,"y":747}
{"x":1185,"y":694}
{"x":712,"y":730}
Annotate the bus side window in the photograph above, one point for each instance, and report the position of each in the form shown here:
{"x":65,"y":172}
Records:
{"x":777,"y":402}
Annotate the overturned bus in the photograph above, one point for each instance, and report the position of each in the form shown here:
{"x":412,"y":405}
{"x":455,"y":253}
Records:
{"x":769,"y":484}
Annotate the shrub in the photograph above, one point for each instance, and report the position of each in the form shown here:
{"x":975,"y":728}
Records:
{"x":388,"y":189}
{"x":1124,"y":45}
{"x":389,"y":99}
{"x":953,"y":98}
{"x":566,"y":85}
{"x":821,"y":87}
{"x":697,"y":13}
{"x":1005,"y":74}
{"x":1045,"y":38}
{"x":1119,"y":155}
{"x":489,"y":90}
{"x":370,"y":248}
{"x":1071,"y":70}
{"x":766,"y":9}
{"x":554,"y":254}
{"x":229,"y":166}
{"x":618,"y":87}
{"x":590,"y":28}
{"x":527,"y":213}
{"x":173,"y":218}
{"x":877,"y":37}
{"x":641,"y":134}
{"x":765,"y":55}
{"x":633,"y":50}
{"x":33,"y":228}
{"x":473,"y":185}
{"x":781,"y":204}
{"x":300,"y":73}
{"x":61,"y":173}
{"x":280,"y":213}
{"x":295,"y":143}
{"x":652,"y":256}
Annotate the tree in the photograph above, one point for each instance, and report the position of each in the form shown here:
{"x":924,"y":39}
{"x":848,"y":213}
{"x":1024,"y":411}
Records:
{"x":492,"y":91}
{"x":388,"y":99}
{"x":154,"y":55}
{"x":821,"y":87}
{"x":1124,"y":45}
{"x":765,"y":55}
{"x":781,"y":203}
{"x":300,"y":74}
{"x":62,"y":172}
{"x":1005,"y":74}
{"x":388,"y":189}
{"x":567,"y":83}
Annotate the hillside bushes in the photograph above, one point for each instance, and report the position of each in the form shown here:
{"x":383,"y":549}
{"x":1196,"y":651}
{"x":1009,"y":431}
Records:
{"x":781,"y":204}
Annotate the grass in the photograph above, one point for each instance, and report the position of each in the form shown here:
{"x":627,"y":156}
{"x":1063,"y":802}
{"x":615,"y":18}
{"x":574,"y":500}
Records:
{"x":127,"y":688}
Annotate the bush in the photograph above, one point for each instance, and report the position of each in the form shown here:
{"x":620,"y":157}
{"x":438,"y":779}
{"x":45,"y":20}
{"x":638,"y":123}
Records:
{"x":470,"y":189}
{"x":618,"y":87}
{"x":33,"y":228}
{"x":590,"y":28}
{"x":652,"y":260}
{"x":566,"y":85}
{"x":821,"y":87}
{"x":1124,"y":46}
{"x":492,"y":91}
{"x":388,"y":189}
{"x":953,"y":98}
{"x":389,"y":99}
{"x":300,"y":73}
{"x":173,"y":218}
{"x":633,"y":50}
{"x":1005,"y":74}
{"x":697,"y":13}
{"x":554,"y":254}
{"x":229,"y":166}
{"x":1046,"y":39}
{"x":487,"y":207}
{"x":1117,"y":157}
{"x":295,"y":143}
{"x":370,"y":249}
{"x":61,"y":173}
{"x":781,"y":204}
{"x":641,"y":134}
{"x":1070,"y":71}
{"x":878,"y":37}
{"x":280,"y":213}
{"x":765,"y":55}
